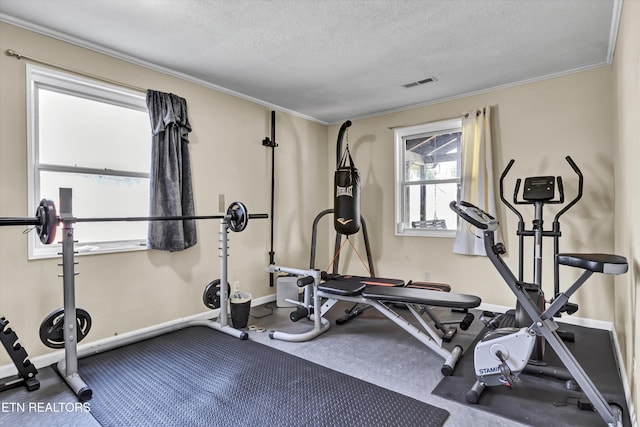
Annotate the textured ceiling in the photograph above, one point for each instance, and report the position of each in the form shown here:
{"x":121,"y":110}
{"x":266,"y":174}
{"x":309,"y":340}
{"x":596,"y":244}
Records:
{"x":332,"y":60}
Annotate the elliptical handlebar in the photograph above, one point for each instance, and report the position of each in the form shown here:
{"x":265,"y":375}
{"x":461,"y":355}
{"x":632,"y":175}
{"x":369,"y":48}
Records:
{"x":515,"y":193}
{"x":576,"y":169}
{"x":474,"y":215}
{"x":560,"y":189}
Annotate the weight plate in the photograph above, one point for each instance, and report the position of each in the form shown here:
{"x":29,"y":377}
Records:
{"x":48,"y":217}
{"x":52,"y":327}
{"x":211,"y":296}
{"x":239,"y":216}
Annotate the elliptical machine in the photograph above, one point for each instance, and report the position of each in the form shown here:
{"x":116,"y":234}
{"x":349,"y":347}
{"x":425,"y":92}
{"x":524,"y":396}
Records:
{"x":539,"y":191}
{"x":503,"y":353}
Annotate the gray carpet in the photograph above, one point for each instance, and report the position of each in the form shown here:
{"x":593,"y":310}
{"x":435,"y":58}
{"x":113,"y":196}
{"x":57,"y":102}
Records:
{"x":201,"y":377}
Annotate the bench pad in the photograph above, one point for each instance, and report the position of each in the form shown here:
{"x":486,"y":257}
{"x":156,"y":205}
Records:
{"x":353,"y":285}
{"x":378,"y":281}
{"x":342,"y":287}
{"x":442,"y":287}
{"x":421,"y":297}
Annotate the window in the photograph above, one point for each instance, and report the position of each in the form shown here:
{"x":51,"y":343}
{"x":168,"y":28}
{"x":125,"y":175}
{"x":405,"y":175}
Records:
{"x":94,"y":138}
{"x":427,"y":174}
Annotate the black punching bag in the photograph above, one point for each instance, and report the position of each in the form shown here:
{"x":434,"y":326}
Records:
{"x":346,"y":196}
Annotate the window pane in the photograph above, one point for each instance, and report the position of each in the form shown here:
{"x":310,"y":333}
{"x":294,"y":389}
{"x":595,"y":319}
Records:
{"x":75,"y":131}
{"x":427,"y":206}
{"x":427,"y":168}
{"x":432,"y":157}
{"x":101,"y":196}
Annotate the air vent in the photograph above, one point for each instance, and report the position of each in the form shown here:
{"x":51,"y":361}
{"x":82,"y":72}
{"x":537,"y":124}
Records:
{"x":420,"y":82}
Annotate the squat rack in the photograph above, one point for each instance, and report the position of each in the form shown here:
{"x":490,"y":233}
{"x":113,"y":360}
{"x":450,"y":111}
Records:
{"x":46,"y":221}
{"x":68,"y":367}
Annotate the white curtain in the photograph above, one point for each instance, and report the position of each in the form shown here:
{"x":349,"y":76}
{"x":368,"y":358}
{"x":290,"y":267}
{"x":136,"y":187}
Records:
{"x":477,"y":178}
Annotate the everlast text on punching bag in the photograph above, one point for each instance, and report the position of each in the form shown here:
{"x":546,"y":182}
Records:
{"x":346,"y":196}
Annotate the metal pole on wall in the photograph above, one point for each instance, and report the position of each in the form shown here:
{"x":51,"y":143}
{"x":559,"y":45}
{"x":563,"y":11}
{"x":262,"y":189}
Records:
{"x":272,"y":144}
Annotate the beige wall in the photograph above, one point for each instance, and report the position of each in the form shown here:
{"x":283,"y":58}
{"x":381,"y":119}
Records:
{"x":536,"y":124}
{"x":128,"y":291}
{"x":626,"y":84}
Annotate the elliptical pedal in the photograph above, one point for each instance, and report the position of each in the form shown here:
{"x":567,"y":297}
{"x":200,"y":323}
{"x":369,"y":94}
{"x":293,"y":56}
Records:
{"x":499,"y":320}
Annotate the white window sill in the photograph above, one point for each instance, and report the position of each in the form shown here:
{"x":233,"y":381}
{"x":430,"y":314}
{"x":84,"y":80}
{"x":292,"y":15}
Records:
{"x":412,"y":232}
{"x":55,"y":251}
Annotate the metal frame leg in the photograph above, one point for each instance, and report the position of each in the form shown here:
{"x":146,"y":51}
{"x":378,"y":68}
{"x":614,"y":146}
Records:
{"x":427,"y":335}
{"x":68,"y":367}
{"x":320,"y":324}
{"x":222,"y":324}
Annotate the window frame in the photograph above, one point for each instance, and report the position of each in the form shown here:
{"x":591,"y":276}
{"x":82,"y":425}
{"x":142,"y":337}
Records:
{"x":71,"y":84}
{"x":401,"y":184}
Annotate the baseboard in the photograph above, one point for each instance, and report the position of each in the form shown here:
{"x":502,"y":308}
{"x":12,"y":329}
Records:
{"x":51,"y":358}
{"x":625,"y":380}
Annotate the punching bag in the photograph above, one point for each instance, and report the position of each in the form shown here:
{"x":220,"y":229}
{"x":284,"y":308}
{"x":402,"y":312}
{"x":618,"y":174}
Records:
{"x":346,"y":196}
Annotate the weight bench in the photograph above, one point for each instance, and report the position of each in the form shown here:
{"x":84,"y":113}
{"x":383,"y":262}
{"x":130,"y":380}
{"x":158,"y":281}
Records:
{"x":380,"y":298}
{"x":446,"y":332}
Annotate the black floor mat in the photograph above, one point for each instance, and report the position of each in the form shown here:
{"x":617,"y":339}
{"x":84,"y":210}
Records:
{"x":201,"y":377}
{"x":544,"y":401}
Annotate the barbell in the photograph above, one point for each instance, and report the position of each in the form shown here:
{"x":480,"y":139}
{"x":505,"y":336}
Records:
{"x":47,"y":219}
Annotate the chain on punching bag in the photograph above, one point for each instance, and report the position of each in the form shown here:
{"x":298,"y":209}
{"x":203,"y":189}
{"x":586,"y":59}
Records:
{"x":346,"y":196}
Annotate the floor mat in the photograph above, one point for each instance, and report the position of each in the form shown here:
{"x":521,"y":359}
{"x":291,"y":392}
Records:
{"x":543,"y":401}
{"x":201,"y":377}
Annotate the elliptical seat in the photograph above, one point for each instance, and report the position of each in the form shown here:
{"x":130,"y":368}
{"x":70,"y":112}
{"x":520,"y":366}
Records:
{"x":598,"y":263}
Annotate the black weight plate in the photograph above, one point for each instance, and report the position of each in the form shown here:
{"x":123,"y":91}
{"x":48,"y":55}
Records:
{"x":48,"y":217}
{"x":52,"y":327}
{"x":211,"y":295}
{"x":239,"y":216}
